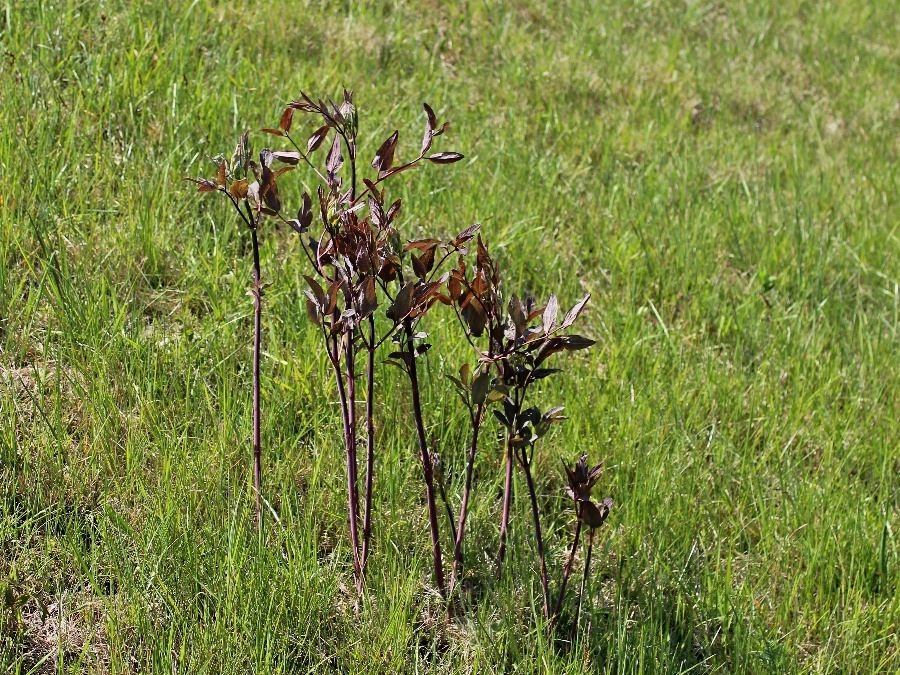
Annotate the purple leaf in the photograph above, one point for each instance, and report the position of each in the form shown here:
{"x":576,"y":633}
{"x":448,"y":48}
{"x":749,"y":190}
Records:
{"x":445,"y":157}
{"x":384,"y":158}
{"x":550,"y":312}
{"x":573,"y":313}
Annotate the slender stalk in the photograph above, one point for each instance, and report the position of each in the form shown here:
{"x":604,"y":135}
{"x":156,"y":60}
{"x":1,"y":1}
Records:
{"x":257,"y":342}
{"x":351,"y":150}
{"x":350,"y":355}
{"x":306,"y":159}
{"x":427,"y":467}
{"x":507,"y":498}
{"x":538,"y":536}
{"x":351,"y":502}
{"x":567,"y":569}
{"x":380,"y":179}
{"x":370,"y":401}
{"x":584,"y":578}
{"x":467,"y":490}
{"x":370,"y":441}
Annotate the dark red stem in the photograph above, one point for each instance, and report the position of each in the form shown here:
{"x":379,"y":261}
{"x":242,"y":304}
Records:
{"x":257,"y":342}
{"x":467,"y":490}
{"x":427,"y":467}
{"x":370,"y":442}
{"x":538,"y":536}
{"x":351,"y":447}
{"x":504,"y":516}
{"x":584,"y":578}
{"x":567,"y":569}
{"x":351,"y":473}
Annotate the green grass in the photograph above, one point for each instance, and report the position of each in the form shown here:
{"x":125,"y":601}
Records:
{"x":721,"y":176}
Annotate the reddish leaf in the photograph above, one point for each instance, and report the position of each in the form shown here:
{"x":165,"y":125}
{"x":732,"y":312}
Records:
{"x":368,"y":300}
{"x":427,"y":140}
{"x":315,"y":140}
{"x":312,"y":311}
{"x":392,"y":211}
{"x":335,"y":159}
{"x":480,"y":387}
{"x":268,"y":190}
{"x":517,"y":314}
{"x":555,"y":413}
{"x":238,"y":189}
{"x":286,"y":118}
{"x":305,"y":103}
{"x":466,"y":235}
{"x":372,"y":188}
{"x":474,"y":316}
{"x":203,"y":184}
{"x":332,"y":295}
{"x":445,"y":157}
{"x":286,"y":156}
{"x":316,"y":289}
{"x":430,"y":124}
{"x":483,"y":260}
{"x":561,"y":343}
{"x":304,"y":214}
{"x":422,"y":264}
{"x":422,"y":244}
{"x":573,"y":313}
{"x":221,"y":173}
{"x":388,"y":271}
{"x":402,"y":304}
{"x":384,"y":158}
{"x":454,"y":284}
{"x":550,"y":312}
{"x":274,"y":132}
{"x":592,"y":515}
{"x":574,"y":342}
{"x":432,"y":118}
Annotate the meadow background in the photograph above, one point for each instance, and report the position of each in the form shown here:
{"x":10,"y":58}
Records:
{"x":721,"y":176}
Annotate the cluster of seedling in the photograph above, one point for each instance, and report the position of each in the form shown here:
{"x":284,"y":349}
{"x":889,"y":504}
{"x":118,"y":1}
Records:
{"x":369,"y":287}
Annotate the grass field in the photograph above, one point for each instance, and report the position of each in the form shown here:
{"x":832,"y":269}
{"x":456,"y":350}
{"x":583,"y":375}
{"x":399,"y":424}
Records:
{"x":721,"y":176}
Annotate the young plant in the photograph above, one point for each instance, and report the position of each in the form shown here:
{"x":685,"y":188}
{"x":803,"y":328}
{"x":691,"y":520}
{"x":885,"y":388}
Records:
{"x":355,"y":255}
{"x":359,"y":268}
{"x":581,"y":480}
{"x":251,"y":201}
{"x":412,"y":301}
{"x":478,"y":306}
{"x":519,"y":341}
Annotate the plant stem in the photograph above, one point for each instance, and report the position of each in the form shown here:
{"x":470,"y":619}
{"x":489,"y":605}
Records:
{"x":464,"y":506}
{"x":351,"y":502}
{"x":361,"y":552}
{"x":351,"y":447}
{"x":370,"y":441}
{"x":507,"y":498}
{"x":538,"y":537}
{"x":584,"y":578}
{"x":257,"y":341}
{"x":567,"y":569}
{"x":427,"y":468}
